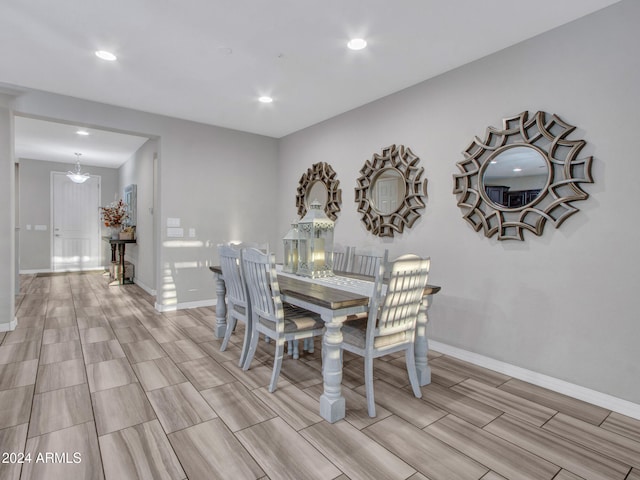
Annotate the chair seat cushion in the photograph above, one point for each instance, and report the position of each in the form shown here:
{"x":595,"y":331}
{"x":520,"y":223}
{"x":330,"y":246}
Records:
{"x":354,"y":333}
{"x":296,"y":319}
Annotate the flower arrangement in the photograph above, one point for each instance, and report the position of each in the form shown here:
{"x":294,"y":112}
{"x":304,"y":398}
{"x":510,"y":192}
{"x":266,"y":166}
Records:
{"x":114,"y":214}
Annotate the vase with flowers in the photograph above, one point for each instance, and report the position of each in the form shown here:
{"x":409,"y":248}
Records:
{"x":113,"y":216}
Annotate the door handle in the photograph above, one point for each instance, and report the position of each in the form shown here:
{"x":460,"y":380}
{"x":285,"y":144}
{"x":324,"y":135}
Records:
{"x":58,"y":235}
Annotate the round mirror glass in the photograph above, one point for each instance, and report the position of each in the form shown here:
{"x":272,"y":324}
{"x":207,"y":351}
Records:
{"x":317,"y":191}
{"x":387,"y":191}
{"x":515,"y":176}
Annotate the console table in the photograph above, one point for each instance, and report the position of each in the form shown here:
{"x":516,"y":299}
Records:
{"x":120,"y":278}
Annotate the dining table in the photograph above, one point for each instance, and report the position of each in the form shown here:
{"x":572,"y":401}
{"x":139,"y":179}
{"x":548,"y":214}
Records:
{"x":334,"y":299}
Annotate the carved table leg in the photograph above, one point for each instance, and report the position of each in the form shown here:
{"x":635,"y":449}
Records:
{"x":421,"y":344}
{"x":332,"y":405}
{"x":221,"y":307}
{"x":121,"y":260}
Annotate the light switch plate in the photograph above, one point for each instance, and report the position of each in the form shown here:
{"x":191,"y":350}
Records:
{"x":175,"y":232}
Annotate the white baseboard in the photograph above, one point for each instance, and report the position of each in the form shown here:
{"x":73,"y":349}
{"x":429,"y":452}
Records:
{"x":8,"y":327}
{"x":183,"y":306}
{"x":146,"y":288}
{"x":594,"y":397}
{"x":36,"y":271}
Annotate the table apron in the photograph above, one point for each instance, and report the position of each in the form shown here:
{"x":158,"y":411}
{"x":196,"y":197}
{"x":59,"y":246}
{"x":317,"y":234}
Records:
{"x":323,"y":311}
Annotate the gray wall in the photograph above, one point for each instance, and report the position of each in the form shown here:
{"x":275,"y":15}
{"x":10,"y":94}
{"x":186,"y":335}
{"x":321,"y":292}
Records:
{"x":139,"y":171}
{"x":218,"y":181}
{"x":35,"y":209}
{"x":7,"y":216}
{"x":562,"y":304}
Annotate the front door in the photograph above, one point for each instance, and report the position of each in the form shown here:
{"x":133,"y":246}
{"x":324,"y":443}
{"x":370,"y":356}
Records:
{"x":76,"y":223}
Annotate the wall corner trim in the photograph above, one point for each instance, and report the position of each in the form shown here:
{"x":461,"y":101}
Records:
{"x":8,"y":327}
{"x":594,"y":397}
{"x":146,"y":288}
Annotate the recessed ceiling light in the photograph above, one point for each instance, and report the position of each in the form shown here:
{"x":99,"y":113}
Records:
{"x":265,"y":99}
{"x":517,"y":169}
{"x":104,"y":55}
{"x":82,"y":132}
{"x":357,"y":43}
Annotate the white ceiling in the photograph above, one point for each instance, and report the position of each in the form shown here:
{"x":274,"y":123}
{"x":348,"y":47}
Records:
{"x":209,"y":60}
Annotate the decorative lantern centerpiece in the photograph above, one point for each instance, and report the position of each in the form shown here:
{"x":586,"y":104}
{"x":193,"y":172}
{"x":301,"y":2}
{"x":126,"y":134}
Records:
{"x":315,"y":243}
{"x":290,"y":241}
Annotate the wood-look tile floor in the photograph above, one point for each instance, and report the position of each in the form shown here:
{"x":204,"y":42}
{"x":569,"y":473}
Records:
{"x":94,"y":383}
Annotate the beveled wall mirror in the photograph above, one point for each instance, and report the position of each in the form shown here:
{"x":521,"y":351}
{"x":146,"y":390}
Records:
{"x":521,"y":176}
{"x":390,"y":190}
{"x":319,"y":183}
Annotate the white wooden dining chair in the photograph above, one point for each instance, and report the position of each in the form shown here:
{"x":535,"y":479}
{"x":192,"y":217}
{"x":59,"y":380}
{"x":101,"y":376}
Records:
{"x":393,"y":328}
{"x":367,"y":262}
{"x":342,"y":258}
{"x":292,"y":347}
{"x":238,"y":305}
{"x":240,"y":245}
{"x":281,"y":322}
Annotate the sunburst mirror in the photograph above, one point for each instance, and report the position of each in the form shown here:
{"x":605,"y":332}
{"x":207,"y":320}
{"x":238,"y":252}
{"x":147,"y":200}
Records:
{"x":319,"y":183}
{"x":522,"y":176}
{"x":390,"y":191}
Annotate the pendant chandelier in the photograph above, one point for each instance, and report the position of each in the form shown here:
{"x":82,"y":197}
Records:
{"x":77,"y":176}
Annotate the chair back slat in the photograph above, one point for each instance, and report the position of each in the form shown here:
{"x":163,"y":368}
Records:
{"x":342,"y":258}
{"x":398,"y":310}
{"x":230,"y":265}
